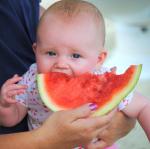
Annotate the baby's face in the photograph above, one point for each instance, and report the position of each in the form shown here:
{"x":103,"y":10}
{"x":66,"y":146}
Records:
{"x":71,"y":48}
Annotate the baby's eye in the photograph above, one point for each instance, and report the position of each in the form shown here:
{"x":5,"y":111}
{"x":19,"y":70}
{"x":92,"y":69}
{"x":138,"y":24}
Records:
{"x":76,"y":55}
{"x":51,"y":53}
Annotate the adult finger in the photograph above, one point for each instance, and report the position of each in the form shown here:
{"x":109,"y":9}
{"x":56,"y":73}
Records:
{"x":92,"y":126}
{"x":83,"y":111}
{"x":101,"y":121}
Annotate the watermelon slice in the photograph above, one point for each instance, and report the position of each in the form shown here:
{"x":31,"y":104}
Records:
{"x":60,"y":91}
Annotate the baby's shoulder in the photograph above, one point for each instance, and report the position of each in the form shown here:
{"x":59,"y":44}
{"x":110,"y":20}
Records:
{"x":30,"y":76}
{"x":33,"y":68}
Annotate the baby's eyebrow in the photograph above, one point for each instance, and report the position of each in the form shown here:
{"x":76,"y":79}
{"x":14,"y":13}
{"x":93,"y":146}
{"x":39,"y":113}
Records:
{"x":76,"y":50}
{"x":48,"y":49}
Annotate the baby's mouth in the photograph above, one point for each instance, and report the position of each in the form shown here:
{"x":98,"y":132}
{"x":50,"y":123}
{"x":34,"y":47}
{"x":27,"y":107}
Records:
{"x":63,"y":70}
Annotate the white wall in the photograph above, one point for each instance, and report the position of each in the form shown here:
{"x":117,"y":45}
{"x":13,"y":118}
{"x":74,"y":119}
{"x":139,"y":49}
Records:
{"x":46,"y":3}
{"x":132,"y":47}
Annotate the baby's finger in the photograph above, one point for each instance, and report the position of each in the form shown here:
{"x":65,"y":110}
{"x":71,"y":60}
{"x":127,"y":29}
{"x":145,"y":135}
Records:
{"x":16,"y":87}
{"x":10,"y":100}
{"x":15,"y":92}
{"x":13,"y":80}
{"x":113,"y":70}
{"x":16,"y":75}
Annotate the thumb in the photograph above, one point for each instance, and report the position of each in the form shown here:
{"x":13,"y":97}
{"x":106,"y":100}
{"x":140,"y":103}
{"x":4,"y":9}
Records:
{"x":83,"y":111}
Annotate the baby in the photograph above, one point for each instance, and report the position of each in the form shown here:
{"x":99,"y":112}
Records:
{"x":70,"y":39}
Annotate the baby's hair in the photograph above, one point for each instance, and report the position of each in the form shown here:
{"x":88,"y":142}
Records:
{"x":69,"y":9}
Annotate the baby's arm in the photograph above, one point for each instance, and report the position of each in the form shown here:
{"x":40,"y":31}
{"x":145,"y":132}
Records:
{"x":11,"y":112}
{"x":140,"y":108}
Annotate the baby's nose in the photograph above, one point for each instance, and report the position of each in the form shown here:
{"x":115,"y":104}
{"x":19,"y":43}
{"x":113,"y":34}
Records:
{"x":62,"y":63}
{"x":63,"y":68}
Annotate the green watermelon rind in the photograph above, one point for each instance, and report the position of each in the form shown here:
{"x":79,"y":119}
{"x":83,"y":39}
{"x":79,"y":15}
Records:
{"x":44,"y":96}
{"x":116,"y":99}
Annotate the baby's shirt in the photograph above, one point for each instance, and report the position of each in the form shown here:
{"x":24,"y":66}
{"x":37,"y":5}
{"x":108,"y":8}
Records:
{"x":37,"y":111}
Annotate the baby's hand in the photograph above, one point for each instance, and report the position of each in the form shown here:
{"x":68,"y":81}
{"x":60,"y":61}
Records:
{"x":10,"y":89}
{"x":113,"y":70}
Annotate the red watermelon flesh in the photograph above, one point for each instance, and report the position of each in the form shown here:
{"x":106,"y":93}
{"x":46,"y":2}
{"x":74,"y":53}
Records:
{"x":60,"y":91}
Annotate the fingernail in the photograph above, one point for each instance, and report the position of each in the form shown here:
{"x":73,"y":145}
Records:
{"x":94,"y":140}
{"x":93,"y":106}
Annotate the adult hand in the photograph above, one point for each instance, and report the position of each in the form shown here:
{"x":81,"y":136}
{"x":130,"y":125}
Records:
{"x":72,"y":128}
{"x":120,"y":126}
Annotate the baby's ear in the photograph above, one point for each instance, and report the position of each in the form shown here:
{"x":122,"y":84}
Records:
{"x":34,"y":46}
{"x":102,"y":56}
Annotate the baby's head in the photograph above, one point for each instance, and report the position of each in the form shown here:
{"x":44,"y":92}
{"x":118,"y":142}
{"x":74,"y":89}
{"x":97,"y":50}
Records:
{"x":70,"y":38}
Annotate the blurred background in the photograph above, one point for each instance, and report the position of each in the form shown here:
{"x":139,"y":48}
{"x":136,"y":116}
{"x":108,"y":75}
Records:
{"x":128,"y":42}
